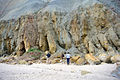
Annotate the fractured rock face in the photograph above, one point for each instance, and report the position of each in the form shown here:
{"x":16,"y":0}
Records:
{"x":78,"y":27}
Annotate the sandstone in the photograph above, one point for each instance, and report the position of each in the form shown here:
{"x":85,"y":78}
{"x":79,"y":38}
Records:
{"x":92,"y":59}
{"x":80,"y":61}
{"x":21,"y":46}
{"x":104,"y":57}
{"x":44,"y":58}
{"x":57,"y":60}
{"x":5,"y":59}
{"x":43,"y":42}
{"x":115,"y":58}
{"x":102,"y":63}
{"x":53,"y":61}
{"x":30,"y":63}
{"x":85,"y":72}
{"x":43,"y":61}
{"x":51,"y":43}
{"x":46,"y":52}
{"x":74,"y":59}
{"x":1,"y":59}
{"x":91,"y":26}
{"x":22,"y":62}
{"x":14,"y":63}
{"x":19,"y":53}
{"x":74,"y":51}
{"x":58,"y":55}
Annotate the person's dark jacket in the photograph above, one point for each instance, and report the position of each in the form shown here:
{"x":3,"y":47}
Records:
{"x":48,"y":55}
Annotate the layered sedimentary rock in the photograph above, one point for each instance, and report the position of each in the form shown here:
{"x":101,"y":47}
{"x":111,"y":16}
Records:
{"x":77,"y":26}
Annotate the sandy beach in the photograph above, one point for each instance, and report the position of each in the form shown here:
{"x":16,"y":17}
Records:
{"x":56,"y":72}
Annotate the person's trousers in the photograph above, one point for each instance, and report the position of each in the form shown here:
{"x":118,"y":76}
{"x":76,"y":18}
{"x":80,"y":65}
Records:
{"x":68,"y":61}
{"x":47,"y":61}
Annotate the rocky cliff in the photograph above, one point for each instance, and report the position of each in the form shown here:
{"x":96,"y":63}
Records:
{"x":77,"y":26}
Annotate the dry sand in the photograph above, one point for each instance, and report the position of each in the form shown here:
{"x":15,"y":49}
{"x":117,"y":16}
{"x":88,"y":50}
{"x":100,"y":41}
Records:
{"x":56,"y":72}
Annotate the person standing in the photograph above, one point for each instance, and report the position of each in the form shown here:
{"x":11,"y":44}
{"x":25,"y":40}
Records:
{"x":62,"y":57}
{"x":68,"y":58}
{"x":48,"y":56}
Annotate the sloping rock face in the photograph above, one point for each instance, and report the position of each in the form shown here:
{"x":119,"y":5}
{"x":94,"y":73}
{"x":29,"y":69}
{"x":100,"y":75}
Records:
{"x":77,"y":26}
{"x":10,"y":9}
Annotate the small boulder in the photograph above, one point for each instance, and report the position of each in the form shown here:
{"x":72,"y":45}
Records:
{"x":92,"y":59}
{"x":30,"y":62}
{"x":22,"y":62}
{"x":13,"y":63}
{"x":53,"y":61}
{"x":57,"y":60}
{"x":43,"y":61}
{"x":46,"y":52}
{"x":118,"y":63}
{"x":115,"y":58}
{"x":43,"y":58}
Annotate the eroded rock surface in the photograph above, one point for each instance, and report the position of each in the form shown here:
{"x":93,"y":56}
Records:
{"x":77,"y":26}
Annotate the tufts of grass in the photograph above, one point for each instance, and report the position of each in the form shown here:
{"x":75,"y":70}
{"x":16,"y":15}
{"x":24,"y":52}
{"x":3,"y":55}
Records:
{"x":34,"y":53}
{"x":33,"y":50}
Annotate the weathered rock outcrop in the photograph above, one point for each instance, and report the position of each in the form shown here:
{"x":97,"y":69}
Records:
{"x":80,"y":27}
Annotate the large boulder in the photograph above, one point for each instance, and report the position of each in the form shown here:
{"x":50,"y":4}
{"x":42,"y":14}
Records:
{"x":104,"y":57}
{"x":80,"y":61}
{"x":53,"y":61}
{"x":92,"y":59}
{"x":22,"y":62}
{"x":56,"y":60}
{"x":115,"y":58}
{"x":74,"y":59}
